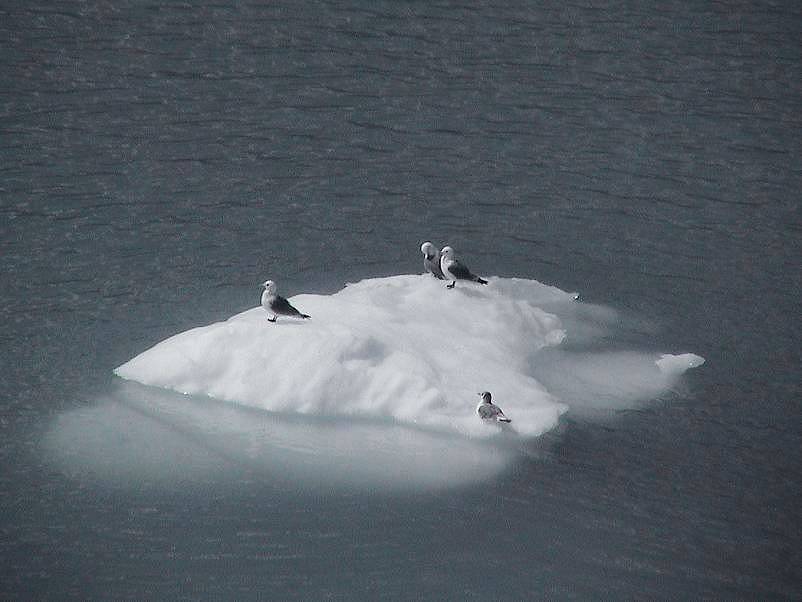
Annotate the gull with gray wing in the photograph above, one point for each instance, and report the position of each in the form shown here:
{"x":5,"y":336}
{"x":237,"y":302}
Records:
{"x":487,"y":410}
{"x":431,"y":260}
{"x":277,"y":305}
{"x":454,"y":270}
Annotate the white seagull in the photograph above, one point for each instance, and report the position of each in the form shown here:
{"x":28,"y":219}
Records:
{"x":431,"y":260}
{"x":454,"y":270}
{"x":276,"y":304}
{"x":488,"y":411}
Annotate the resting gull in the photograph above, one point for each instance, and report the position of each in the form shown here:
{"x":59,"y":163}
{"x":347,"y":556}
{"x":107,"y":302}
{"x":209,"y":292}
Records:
{"x":431,"y":260}
{"x":488,"y":411}
{"x":276,"y":304}
{"x":454,"y":270}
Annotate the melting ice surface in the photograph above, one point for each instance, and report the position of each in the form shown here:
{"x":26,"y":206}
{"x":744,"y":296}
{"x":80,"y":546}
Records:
{"x":403,"y":347}
{"x":139,"y":435}
{"x":379,"y":388}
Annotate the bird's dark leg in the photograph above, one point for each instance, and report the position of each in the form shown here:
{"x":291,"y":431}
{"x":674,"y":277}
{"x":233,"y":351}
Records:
{"x":273,"y":319}
{"x":451,"y":285}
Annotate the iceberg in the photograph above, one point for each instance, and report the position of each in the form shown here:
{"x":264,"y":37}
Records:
{"x":406,"y":349}
{"x":378,"y":391}
{"x":402,"y":348}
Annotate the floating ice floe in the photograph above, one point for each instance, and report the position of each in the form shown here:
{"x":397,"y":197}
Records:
{"x":402,"y":348}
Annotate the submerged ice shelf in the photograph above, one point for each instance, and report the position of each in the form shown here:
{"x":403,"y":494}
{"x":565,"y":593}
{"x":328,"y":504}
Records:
{"x":402,"y":348}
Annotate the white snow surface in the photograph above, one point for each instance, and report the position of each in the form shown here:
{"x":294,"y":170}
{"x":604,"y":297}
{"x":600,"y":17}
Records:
{"x":402,"y":348}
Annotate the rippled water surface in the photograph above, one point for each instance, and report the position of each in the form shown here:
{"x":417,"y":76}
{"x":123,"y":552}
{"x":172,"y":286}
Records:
{"x":158,"y":161}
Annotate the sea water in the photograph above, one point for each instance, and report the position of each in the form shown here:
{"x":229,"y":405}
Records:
{"x":160,"y":161}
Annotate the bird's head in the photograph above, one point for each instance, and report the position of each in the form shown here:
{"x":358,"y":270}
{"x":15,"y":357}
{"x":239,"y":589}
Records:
{"x":269,"y":286}
{"x":428,"y":249}
{"x":447,"y":252}
{"x":485,"y":395}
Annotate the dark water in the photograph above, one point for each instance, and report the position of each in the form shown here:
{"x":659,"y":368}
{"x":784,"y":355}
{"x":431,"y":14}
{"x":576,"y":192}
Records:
{"x":157,"y":161}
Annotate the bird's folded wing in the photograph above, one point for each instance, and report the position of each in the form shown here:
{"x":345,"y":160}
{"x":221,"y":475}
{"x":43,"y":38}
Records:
{"x":280,"y":304}
{"x":460,"y":271}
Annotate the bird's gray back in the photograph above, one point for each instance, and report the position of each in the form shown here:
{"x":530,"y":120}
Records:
{"x":433,"y":267}
{"x":458,"y":270}
{"x":280,"y":305}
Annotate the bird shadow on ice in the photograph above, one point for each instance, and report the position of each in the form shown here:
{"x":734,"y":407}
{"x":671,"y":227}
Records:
{"x":143,"y":435}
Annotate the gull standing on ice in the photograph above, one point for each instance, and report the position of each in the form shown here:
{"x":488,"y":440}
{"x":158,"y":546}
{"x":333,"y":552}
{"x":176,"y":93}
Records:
{"x":488,"y":411}
{"x":454,"y":270}
{"x":278,"y":305}
{"x":431,"y":260}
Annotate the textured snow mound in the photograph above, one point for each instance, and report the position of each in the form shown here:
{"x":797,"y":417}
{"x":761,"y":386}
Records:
{"x":407,"y":349}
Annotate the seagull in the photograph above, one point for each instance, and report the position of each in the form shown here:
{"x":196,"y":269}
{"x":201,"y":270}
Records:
{"x":453,"y":270}
{"x":431,"y":260}
{"x":276,"y":304}
{"x":488,"y":411}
